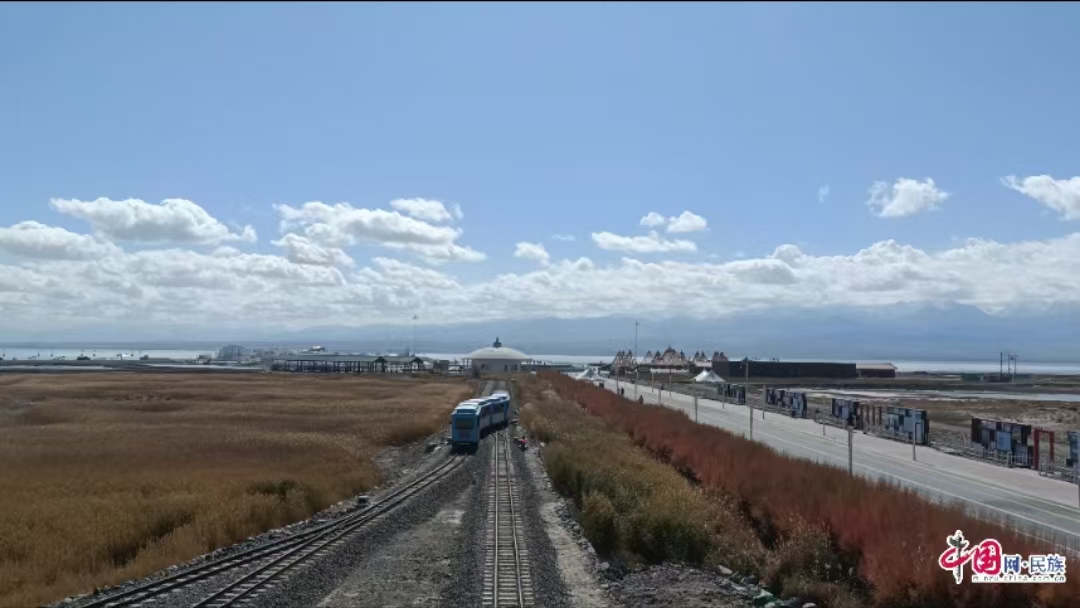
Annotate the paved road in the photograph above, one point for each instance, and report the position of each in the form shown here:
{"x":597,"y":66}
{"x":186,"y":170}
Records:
{"x":1038,"y":507}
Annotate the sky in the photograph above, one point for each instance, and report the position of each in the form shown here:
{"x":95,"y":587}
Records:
{"x":300,"y":165}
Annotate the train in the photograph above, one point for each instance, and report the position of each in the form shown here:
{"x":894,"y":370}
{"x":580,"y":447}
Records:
{"x":475,"y":418}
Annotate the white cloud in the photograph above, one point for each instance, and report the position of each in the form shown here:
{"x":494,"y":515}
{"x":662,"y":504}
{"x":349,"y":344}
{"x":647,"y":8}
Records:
{"x":563,"y":237}
{"x":174,"y":220}
{"x":342,"y":225}
{"x":763,"y":271}
{"x":905,"y":197}
{"x":1061,"y":195}
{"x":532,"y":251}
{"x":427,"y":210}
{"x":440,"y":252}
{"x":35,"y":240}
{"x":823,"y":193}
{"x":301,"y":250}
{"x":687,"y":222}
{"x":653,"y":219}
{"x":652,"y":243}
{"x":58,"y":279}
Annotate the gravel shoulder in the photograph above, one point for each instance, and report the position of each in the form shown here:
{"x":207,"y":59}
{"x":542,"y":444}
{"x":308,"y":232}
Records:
{"x":411,"y":570}
{"x":549,"y":585}
{"x":404,"y":558}
{"x":576,"y":560}
{"x":593,"y":582}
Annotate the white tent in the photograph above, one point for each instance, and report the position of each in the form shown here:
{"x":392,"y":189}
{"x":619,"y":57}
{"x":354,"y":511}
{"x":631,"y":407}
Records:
{"x":589,"y":374}
{"x":708,"y":377}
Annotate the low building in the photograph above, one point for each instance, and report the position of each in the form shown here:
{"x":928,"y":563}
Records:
{"x":669,"y":358}
{"x":342,"y":364}
{"x":700,"y":362}
{"x":875,"y":370}
{"x":498,"y":359}
{"x":789,"y":369}
{"x":623,"y":362}
{"x":232,"y":352}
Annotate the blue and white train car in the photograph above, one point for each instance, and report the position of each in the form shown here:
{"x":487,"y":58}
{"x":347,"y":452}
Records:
{"x":473,"y":419}
{"x":465,"y":425}
{"x":500,"y":413}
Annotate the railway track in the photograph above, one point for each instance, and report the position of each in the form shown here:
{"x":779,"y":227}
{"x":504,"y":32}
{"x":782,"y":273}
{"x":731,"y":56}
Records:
{"x":273,"y":559}
{"x":507,"y":579}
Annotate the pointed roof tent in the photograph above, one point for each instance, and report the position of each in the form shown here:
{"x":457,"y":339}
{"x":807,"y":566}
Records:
{"x":589,"y":374}
{"x":708,"y":377}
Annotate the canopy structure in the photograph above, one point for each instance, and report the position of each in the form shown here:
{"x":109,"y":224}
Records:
{"x":708,"y":377}
{"x":589,"y":374}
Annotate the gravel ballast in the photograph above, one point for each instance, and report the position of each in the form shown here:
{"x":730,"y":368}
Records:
{"x":548,"y":585}
{"x":375,"y":552}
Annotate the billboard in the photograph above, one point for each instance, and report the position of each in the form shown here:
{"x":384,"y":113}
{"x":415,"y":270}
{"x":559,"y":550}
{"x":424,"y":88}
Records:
{"x":791,"y":400}
{"x":1003,"y":437}
{"x":846,"y":410}
{"x":733,"y":392}
{"x":906,"y":423}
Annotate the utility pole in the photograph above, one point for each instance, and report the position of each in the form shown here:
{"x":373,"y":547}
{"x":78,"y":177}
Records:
{"x":746,"y":393}
{"x":749,"y":405}
{"x":413,"y":347}
{"x":914,"y":431}
{"x":635,"y":342}
{"x":635,"y":379}
{"x":850,"y":451}
{"x":695,"y":408}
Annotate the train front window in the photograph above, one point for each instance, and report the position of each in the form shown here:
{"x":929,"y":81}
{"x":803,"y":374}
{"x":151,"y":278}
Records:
{"x":463,"y":423}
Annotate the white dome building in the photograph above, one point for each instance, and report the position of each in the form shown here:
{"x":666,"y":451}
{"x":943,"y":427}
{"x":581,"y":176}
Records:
{"x":498,"y":359}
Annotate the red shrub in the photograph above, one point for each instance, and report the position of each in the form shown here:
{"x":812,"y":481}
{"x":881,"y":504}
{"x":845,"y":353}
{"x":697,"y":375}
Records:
{"x":892,"y":535}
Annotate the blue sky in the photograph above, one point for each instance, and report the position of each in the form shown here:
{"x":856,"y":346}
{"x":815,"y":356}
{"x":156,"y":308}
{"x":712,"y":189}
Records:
{"x":545,"y":119}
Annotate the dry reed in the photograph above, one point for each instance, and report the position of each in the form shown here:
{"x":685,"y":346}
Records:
{"x":827,"y":535}
{"x":109,"y":476}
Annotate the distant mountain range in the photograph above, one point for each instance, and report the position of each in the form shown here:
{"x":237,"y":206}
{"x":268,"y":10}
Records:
{"x":957,"y":333}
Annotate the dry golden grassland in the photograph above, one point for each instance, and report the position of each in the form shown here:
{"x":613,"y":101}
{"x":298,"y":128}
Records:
{"x":109,"y":476}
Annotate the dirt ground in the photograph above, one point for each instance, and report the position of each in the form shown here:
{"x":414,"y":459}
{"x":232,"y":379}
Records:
{"x":955,"y":415}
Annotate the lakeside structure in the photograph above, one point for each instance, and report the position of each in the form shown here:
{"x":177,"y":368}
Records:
{"x":497,"y":358}
{"x":677,"y":363}
{"x":357,"y":364}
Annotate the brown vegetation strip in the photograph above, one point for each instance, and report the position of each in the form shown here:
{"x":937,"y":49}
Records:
{"x":816,"y":531}
{"x":104,"y":477}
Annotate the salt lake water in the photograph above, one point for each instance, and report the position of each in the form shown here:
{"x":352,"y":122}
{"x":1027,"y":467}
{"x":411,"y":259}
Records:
{"x":186,"y":354}
{"x":109,"y":353}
